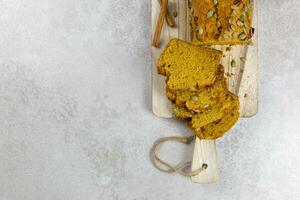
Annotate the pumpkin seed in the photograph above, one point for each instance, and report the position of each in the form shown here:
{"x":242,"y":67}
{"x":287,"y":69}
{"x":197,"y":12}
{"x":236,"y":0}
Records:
{"x":235,"y":34}
{"x":239,"y":23}
{"x":248,"y":7}
{"x":175,"y":13}
{"x":206,"y":106}
{"x":234,"y":7}
{"x":210,"y":13}
{"x":242,"y":36}
{"x":233,"y":63}
{"x":246,"y":28}
{"x":216,"y":15}
{"x":229,"y":32}
{"x":233,"y":27}
{"x":191,"y":11}
{"x":245,"y":8}
{"x":230,"y":20}
{"x":246,"y":25}
{"x":242,"y":19}
{"x":195,"y":98}
{"x":199,"y":30}
{"x":242,"y":16}
{"x":176,"y":111}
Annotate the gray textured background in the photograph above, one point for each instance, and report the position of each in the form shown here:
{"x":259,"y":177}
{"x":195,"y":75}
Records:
{"x":75,"y":107}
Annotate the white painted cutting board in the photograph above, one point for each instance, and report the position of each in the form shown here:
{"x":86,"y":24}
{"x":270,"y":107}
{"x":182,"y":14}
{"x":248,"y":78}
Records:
{"x":243,"y":81}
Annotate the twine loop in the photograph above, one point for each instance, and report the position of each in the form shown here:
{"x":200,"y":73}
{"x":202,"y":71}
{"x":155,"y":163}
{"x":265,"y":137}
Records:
{"x":182,"y":167}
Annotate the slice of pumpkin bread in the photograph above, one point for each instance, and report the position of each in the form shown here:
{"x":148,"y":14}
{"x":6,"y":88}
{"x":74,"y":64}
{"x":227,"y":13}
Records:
{"x":187,"y":66}
{"x":219,"y":127}
{"x":214,"y":122}
{"x":200,"y":98}
{"x":216,"y":112}
{"x":208,"y":98}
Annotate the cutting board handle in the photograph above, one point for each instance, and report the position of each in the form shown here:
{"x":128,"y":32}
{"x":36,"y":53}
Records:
{"x":205,"y":152}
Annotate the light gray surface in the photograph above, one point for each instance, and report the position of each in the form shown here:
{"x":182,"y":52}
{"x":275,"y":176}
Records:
{"x":75,"y":118}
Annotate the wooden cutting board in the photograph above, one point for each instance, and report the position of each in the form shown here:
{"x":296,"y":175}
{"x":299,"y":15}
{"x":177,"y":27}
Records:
{"x":243,"y":80}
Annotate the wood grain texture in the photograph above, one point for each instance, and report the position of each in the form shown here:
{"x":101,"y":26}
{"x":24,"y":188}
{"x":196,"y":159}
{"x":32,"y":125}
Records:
{"x":205,"y":152}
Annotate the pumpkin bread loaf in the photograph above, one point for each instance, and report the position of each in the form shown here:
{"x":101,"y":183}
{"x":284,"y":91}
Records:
{"x":221,"y":22}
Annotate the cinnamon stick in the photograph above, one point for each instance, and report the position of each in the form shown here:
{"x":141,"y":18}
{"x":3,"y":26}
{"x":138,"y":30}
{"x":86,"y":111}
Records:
{"x":160,"y":22}
{"x":169,"y":18}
